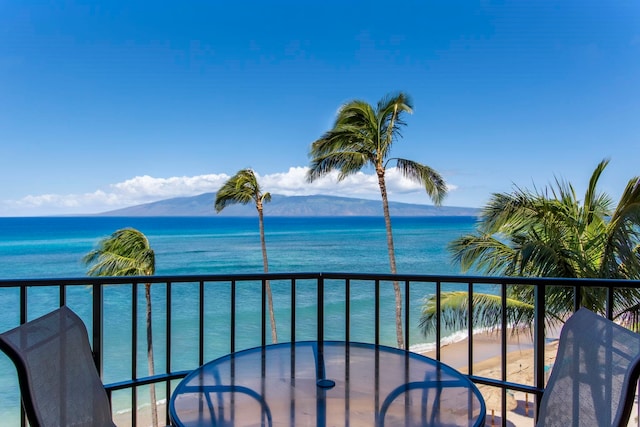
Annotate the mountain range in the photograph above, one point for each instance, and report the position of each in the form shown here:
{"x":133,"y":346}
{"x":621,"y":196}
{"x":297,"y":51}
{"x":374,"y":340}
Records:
{"x":298,"y":206}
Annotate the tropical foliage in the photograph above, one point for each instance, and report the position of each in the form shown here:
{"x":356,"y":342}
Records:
{"x":244,"y":188}
{"x":127,"y":253}
{"x":362,"y":136}
{"x":549,"y":233}
{"x":454,"y":308}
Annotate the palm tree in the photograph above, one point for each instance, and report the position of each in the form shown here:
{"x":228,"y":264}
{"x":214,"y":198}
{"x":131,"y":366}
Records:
{"x":550,"y":234}
{"x":363,"y":136}
{"x":243,"y":188}
{"x":127,"y":253}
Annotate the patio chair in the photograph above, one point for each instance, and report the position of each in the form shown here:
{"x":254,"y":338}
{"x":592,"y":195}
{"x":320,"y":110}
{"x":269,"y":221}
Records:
{"x":594,"y":377}
{"x":59,"y":383}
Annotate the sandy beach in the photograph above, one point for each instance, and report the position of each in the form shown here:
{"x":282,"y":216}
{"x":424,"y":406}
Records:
{"x":487,"y":362}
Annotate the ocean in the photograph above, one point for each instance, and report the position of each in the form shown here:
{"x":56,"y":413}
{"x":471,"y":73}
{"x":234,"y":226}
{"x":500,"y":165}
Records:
{"x":53,"y":248}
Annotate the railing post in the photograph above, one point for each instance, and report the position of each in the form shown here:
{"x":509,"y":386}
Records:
{"x":201,"y":322}
{"x":407,"y":309}
{"x":538,"y":336}
{"x":470,"y":328}
{"x":503,"y":348}
{"x":609,"y":306}
{"x":134,"y":348}
{"x":320,"y":318}
{"x":232,"y":343}
{"x":23,"y":304}
{"x":63,"y":295}
{"x":438,"y":319}
{"x":293,"y":311}
{"x":377,"y":312}
{"x":96,"y":338}
{"x":263,"y":314}
{"x":167,"y":326}
{"x":347,"y":310}
{"x":167,"y":384}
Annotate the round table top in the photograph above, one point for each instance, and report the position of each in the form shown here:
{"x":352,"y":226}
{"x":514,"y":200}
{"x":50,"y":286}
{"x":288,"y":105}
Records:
{"x":332,"y":383}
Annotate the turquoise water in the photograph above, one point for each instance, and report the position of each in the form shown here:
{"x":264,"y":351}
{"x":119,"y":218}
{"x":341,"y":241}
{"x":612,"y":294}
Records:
{"x":54,"y":247}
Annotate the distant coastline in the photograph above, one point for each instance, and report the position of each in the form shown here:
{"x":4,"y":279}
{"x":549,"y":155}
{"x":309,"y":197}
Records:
{"x":289,"y":206}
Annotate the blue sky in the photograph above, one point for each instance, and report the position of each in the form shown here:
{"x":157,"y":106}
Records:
{"x":114,"y":103}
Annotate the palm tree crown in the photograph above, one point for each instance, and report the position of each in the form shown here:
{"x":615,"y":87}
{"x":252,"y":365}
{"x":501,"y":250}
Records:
{"x":553,"y":234}
{"x":242,"y":188}
{"x":550,"y":233}
{"x":125,"y":253}
{"x":363,"y":136}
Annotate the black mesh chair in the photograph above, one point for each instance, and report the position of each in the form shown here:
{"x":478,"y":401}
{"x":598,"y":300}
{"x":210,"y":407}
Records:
{"x":59,"y":383}
{"x":594,"y":377}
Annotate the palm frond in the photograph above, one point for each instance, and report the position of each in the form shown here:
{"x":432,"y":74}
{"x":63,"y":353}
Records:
{"x":514,"y":211}
{"x":487,"y":313}
{"x":389,"y":113}
{"x":623,"y":233}
{"x":125,"y":253}
{"x":485,"y":253}
{"x":401,"y":101}
{"x":344,"y":138}
{"x":346,"y":162}
{"x":432,"y":181}
{"x":356,"y":114}
{"x":591,"y":196}
{"x":241,"y":188}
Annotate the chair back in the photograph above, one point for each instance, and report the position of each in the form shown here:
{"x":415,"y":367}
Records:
{"x":59,"y":383}
{"x":594,"y":377}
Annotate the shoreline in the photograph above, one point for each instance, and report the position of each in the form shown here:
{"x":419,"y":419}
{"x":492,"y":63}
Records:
{"x":486,"y":345}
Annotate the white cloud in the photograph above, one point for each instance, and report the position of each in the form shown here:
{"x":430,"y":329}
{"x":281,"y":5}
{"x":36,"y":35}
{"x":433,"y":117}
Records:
{"x":145,"y":189}
{"x":150,"y":188}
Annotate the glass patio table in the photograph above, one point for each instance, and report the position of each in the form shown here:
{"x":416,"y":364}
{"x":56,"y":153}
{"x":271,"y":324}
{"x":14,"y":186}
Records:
{"x":330,"y":383}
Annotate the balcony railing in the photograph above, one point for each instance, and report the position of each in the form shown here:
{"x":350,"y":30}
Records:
{"x":199,"y":318}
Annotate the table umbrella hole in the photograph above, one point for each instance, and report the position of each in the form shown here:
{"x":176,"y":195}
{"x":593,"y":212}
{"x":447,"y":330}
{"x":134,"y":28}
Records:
{"x":326,"y":383}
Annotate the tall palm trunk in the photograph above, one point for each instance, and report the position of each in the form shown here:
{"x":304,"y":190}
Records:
{"x":152,"y":387}
{"x":265,"y":262}
{"x":392,"y":254}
